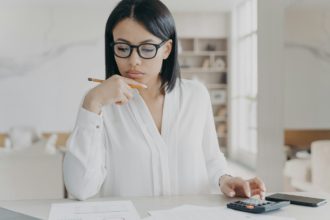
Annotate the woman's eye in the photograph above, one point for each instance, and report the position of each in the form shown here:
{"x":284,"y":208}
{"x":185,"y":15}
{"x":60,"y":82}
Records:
{"x":148,"y":49}
{"x":123,"y":49}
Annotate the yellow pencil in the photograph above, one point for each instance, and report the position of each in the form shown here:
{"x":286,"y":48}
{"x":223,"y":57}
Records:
{"x":100,"y":81}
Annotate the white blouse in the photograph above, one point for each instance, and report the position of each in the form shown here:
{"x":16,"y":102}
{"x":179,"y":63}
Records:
{"x":122,"y":153}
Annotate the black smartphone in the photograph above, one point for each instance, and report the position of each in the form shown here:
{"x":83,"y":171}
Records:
{"x":297,"y":200}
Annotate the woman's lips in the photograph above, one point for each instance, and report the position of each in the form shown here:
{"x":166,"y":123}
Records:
{"x":135,"y":75}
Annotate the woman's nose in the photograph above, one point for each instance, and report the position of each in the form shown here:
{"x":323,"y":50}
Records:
{"x":134,"y":59}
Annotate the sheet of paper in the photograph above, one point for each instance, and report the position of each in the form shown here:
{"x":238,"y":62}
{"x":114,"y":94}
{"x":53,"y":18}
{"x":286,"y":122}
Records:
{"x":107,"y":210}
{"x":210,"y":213}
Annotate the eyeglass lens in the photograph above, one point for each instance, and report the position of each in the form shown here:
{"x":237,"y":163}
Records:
{"x":144,"y":50}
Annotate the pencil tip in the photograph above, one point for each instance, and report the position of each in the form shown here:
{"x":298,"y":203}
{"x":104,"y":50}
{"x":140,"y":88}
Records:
{"x":89,"y":79}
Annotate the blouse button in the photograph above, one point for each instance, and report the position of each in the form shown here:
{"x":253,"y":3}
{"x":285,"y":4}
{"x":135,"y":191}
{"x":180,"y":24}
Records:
{"x":97,"y":126}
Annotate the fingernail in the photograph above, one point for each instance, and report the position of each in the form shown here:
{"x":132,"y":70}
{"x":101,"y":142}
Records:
{"x":231,"y":194}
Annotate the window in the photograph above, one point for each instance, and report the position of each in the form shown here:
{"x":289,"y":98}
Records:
{"x":244,"y":90}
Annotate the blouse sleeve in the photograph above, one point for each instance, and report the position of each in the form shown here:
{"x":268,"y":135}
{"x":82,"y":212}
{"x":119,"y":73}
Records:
{"x":84,"y":162}
{"x":215,"y":160}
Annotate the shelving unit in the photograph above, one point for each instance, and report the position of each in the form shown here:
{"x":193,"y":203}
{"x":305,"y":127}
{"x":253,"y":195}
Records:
{"x":205,"y":59}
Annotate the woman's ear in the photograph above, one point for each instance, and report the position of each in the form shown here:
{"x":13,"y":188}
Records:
{"x":167,"y":49}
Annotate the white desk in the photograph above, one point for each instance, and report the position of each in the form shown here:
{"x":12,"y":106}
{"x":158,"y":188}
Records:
{"x":41,"y":208}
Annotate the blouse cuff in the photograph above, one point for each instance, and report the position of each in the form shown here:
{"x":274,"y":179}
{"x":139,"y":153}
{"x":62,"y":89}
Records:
{"x":89,"y":119}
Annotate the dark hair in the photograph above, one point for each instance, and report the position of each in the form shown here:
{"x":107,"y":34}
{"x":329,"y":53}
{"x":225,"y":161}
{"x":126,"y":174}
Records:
{"x":157,"y":19}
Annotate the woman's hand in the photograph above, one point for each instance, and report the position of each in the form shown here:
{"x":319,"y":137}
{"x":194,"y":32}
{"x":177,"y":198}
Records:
{"x":236,"y":186}
{"x":115,"y":89}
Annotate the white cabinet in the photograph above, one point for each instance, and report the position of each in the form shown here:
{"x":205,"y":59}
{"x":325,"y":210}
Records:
{"x":31,"y":173}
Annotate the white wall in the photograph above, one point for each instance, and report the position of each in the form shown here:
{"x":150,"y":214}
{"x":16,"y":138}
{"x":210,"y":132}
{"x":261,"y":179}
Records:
{"x":50,"y":48}
{"x":307,"y":65}
{"x":46,"y":55}
{"x":202,"y":24}
{"x":294,"y":77}
{"x":200,"y":6}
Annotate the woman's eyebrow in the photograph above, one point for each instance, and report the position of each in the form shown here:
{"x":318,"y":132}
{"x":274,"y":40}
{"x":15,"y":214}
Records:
{"x":145,"y":41}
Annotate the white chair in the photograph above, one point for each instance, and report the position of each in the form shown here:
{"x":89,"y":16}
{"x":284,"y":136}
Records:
{"x":22,"y":137}
{"x":31,"y":173}
{"x":296,"y":171}
{"x":310,"y":174}
{"x":320,"y":164}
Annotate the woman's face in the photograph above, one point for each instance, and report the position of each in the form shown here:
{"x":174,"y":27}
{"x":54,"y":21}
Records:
{"x":143,"y":70}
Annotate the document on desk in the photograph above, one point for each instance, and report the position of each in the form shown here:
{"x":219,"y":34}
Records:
{"x":192,"y":212}
{"x":107,"y":210}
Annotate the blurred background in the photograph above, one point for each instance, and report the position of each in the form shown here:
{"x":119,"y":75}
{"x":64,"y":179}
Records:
{"x":266,"y":65}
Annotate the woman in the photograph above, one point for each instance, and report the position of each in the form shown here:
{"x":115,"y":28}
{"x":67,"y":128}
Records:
{"x":159,"y":139}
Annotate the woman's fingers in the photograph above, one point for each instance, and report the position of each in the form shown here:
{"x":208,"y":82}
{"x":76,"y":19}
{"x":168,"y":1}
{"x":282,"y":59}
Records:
{"x":227,"y":190}
{"x":258,"y":187}
{"x":245,"y":187}
{"x":128,"y":95}
{"x":256,"y":192}
{"x":236,"y":186}
{"x":121,"y":100}
{"x":124,"y":94}
{"x":116,"y":89}
{"x":257,"y":183}
{"x":134,"y":83}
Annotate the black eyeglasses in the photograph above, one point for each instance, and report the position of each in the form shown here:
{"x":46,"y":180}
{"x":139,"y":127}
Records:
{"x":145,"y":50}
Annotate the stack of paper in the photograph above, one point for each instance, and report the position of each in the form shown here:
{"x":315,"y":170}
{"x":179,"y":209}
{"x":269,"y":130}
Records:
{"x":109,"y":210}
{"x":207,"y":213}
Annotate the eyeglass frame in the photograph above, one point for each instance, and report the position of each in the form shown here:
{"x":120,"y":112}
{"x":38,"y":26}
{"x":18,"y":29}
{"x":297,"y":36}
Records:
{"x":132,"y":46}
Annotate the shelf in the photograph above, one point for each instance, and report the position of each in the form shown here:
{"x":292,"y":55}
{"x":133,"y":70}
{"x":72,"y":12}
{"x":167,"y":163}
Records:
{"x":202,"y":70}
{"x":224,"y":150}
{"x":219,"y":119}
{"x":205,"y":60}
{"x":219,"y":104}
{"x":216,"y":86}
{"x":203,"y":53}
{"x":222,"y":136}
